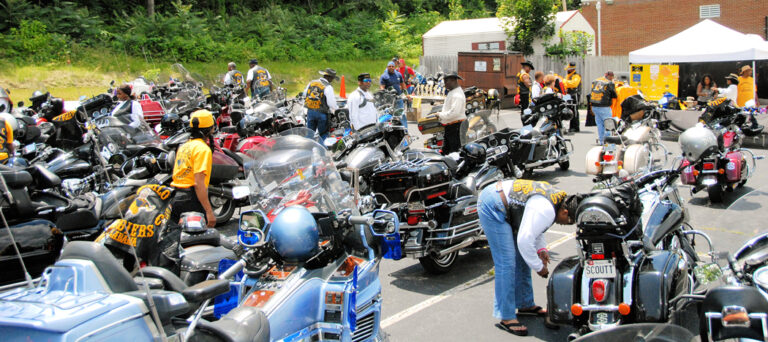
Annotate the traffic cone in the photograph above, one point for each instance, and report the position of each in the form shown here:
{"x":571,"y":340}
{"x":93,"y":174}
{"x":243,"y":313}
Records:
{"x":343,"y":89}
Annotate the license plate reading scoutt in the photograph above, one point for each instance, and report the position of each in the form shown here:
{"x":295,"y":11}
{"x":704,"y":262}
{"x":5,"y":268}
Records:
{"x":599,"y":269}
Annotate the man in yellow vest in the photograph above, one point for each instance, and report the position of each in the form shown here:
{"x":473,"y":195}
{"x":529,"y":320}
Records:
{"x":572,"y":84}
{"x":746,"y":88}
{"x":524,"y":84}
{"x":623,"y":91}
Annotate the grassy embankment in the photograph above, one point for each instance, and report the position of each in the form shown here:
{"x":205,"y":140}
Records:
{"x":91,"y":75}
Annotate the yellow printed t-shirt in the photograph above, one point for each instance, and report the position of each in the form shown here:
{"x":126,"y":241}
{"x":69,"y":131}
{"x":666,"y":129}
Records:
{"x":622,"y":93}
{"x":7,"y":132}
{"x":193,"y":157}
{"x":746,"y":90}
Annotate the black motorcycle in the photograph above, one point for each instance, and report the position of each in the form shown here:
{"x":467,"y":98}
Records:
{"x":436,"y":200}
{"x":635,"y":255}
{"x":540,"y":143}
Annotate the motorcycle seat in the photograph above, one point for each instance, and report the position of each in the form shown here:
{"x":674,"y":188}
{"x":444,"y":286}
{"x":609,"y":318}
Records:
{"x":77,"y":220}
{"x":615,"y":139}
{"x":44,"y":178}
{"x":242,"y":324}
{"x":169,"y":280}
{"x":16,"y":179}
{"x":114,"y":274}
{"x":167,"y":303}
{"x":209,"y":237}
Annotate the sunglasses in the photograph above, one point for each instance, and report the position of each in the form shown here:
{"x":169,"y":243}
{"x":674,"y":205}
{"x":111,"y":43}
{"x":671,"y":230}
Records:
{"x":366,"y":80}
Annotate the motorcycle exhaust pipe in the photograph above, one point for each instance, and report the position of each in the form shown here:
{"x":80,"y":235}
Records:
{"x":459,"y":246}
{"x":220,"y":192}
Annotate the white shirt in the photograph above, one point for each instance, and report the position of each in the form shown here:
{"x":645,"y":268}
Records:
{"x":330,"y":96}
{"x":730,"y":93}
{"x":454,"y":107}
{"x":137,"y":114}
{"x":361,"y":117}
{"x":538,"y":216}
{"x":228,"y":78}
{"x":535,"y":90}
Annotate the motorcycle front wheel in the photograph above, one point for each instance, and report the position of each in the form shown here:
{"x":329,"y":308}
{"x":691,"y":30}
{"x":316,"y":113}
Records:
{"x":438,"y":265}
{"x":223,"y":209}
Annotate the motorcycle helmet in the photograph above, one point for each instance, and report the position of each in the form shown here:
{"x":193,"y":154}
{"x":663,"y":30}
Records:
{"x":474,"y":153}
{"x":171,"y":122}
{"x":11,"y":122}
{"x":696,"y":142}
{"x":294,"y":234}
{"x":38,"y":97}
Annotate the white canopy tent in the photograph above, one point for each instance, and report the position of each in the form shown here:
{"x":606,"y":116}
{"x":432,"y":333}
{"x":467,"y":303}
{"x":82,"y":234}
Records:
{"x":706,"y":41}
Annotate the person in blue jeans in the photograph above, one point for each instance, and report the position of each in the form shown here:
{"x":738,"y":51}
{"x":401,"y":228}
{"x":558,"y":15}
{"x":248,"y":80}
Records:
{"x":392,"y":78}
{"x":320,"y":100}
{"x":603,"y":92}
{"x":514,"y":215}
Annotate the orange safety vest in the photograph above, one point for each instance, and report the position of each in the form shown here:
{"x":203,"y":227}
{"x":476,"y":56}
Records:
{"x":746,"y":90}
{"x":622,"y":93}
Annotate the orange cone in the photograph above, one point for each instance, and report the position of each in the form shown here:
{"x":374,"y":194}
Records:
{"x":343,"y":89}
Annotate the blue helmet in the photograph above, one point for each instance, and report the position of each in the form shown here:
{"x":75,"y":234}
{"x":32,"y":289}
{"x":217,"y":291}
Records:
{"x":294,"y":234}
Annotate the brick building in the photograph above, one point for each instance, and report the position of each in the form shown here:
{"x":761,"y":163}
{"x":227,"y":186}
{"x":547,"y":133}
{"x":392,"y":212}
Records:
{"x":628,"y":25}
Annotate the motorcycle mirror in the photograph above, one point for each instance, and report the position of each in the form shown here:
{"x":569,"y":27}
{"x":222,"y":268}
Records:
{"x":282,"y":81}
{"x":112,"y":83}
{"x":252,"y":227}
{"x":82,"y":98}
{"x":20,"y":104}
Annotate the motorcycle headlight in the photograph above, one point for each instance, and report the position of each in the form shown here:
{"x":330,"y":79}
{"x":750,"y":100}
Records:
{"x":475,"y":104}
{"x":469,"y":106}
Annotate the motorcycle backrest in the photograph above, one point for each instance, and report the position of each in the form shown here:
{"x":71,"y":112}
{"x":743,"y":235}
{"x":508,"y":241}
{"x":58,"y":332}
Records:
{"x":609,"y":124}
{"x":115,"y":275}
{"x":746,"y":297}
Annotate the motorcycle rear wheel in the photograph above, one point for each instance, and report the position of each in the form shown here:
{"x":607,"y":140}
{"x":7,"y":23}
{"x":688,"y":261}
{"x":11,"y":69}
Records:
{"x":438,"y":265}
{"x":223,"y":209}
{"x":715,"y":193}
{"x":564,"y":165}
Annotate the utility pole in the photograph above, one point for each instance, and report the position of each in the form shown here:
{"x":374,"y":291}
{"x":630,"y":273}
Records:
{"x":565,"y":5}
{"x":599,"y":30}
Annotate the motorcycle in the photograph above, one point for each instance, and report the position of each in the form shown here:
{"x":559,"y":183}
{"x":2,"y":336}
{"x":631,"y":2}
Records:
{"x":728,"y":166}
{"x":634,"y":147}
{"x":635,"y":255}
{"x":283,"y":275}
{"x":540,"y":143}
{"x":436,"y":198}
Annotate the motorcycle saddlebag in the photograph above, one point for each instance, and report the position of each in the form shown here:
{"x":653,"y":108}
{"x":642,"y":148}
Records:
{"x":430,"y":125}
{"x":686,"y":176}
{"x":427,"y":179}
{"x":656,"y":279}
{"x":733,"y":167}
{"x":563,"y":290}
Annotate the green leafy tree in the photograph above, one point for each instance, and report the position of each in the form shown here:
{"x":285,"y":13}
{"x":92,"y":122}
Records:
{"x":457,"y":10}
{"x":526,"y":20}
{"x":575,"y":43}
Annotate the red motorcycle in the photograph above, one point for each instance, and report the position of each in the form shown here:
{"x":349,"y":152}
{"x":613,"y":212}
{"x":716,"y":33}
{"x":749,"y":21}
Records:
{"x":725,"y":165}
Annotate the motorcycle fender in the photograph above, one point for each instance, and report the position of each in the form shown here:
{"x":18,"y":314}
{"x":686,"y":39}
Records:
{"x":593,"y":159}
{"x":563,"y":289}
{"x":655,"y":285}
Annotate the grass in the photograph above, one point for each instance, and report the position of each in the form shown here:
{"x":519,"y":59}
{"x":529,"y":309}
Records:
{"x":92,"y":72}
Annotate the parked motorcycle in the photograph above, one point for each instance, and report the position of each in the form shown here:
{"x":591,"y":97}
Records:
{"x":632,"y":144}
{"x":540,"y":142}
{"x":436,"y":199}
{"x":635,"y":255}
{"x":726,"y":165}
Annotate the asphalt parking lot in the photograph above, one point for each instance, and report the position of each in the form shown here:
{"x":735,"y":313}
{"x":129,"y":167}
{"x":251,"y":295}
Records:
{"x":458,"y":306}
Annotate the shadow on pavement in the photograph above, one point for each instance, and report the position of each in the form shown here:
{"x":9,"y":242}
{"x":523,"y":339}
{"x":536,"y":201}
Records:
{"x":469,"y":265}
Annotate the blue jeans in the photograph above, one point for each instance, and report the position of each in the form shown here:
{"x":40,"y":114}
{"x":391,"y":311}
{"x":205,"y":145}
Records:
{"x":601,"y":113}
{"x":261,"y":91}
{"x":318,"y":121}
{"x":400,"y":104}
{"x":513,"y":287}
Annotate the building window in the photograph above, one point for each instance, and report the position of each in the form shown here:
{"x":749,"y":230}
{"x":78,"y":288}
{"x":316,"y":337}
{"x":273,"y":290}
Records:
{"x":488,"y":46}
{"x":709,"y":11}
{"x":493,"y":46}
{"x":482,"y":46}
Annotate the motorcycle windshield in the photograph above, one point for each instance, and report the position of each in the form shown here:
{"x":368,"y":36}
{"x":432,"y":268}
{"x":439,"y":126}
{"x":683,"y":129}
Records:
{"x":294,"y":170}
{"x":123,"y":135}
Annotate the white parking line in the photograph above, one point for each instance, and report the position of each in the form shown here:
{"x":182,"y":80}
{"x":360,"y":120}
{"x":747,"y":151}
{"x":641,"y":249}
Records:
{"x":440,"y":297}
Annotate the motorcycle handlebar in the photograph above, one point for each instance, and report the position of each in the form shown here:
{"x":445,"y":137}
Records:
{"x":232,"y":270}
{"x":366,"y":220}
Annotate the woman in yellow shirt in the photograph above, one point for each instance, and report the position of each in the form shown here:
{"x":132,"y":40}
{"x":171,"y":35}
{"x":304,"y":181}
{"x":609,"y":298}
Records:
{"x":746,"y":89}
{"x":192,"y":170}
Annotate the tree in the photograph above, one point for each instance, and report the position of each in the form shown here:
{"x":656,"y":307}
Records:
{"x":457,"y":11}
{"x":526,"y":20}
{"x":150,"y":8}
{"x":576,"y":43}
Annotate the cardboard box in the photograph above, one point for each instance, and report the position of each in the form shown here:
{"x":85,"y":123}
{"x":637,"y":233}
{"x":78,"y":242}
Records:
{"x":413,"y":114}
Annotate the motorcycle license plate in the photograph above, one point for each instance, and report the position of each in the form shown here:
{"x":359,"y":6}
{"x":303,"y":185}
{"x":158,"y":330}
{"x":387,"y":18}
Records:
{"x":599,"y":269}
{"x":416,"y":206}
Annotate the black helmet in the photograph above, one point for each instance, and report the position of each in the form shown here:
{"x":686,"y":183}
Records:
{"x":39,"y":96}
{"x":171,"y":122}
{"x":473,"y":152}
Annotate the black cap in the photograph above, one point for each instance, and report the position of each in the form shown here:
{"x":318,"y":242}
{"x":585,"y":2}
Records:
{"x":453,"y":74}
{"x":253,"y":61}
{"x":528,"y":64}
{"x":363,"y":76}
{"x":571,"y":65}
